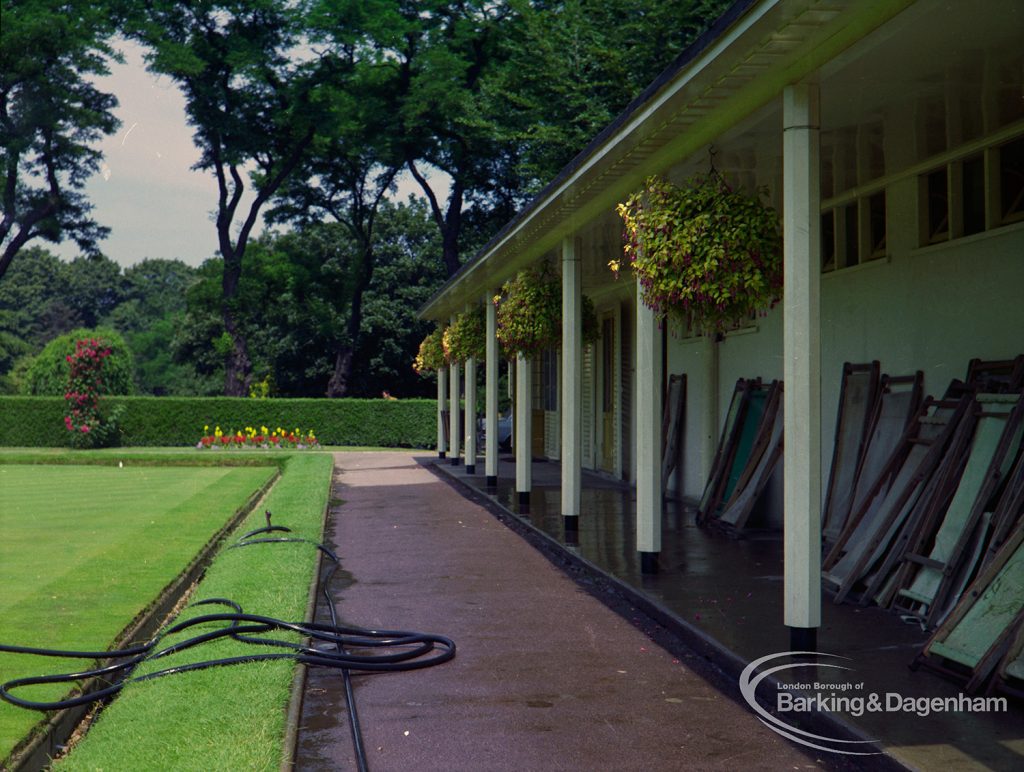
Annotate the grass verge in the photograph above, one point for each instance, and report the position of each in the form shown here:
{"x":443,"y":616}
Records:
{"x":85,"y":550}
{"x":228,"y":717}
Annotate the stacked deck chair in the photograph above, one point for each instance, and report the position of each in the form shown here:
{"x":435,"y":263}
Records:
{"x":981,"y":631}
{"x":944,"y":547}
{"x":897,"y":400}
{"x":734,"y":446}
{"x":1009,"y":675}
{"x":857,"y":558}
{"x":857,"y":397}
{"x":672,"y":426}
{"x":762,"y":461}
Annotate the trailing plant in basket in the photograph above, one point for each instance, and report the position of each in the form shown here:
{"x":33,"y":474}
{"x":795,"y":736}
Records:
{"x":703,"y":253}
{"x":466,"y":336}
{"x":431,"y":355}
{"x":530,"y":313}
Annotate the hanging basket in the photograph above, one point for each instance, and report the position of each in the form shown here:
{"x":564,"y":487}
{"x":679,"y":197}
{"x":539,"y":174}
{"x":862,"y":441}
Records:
{"x":431,"y":355}
{"x":530,"y":313}
{"x":466,"y":336}
{"x":703,"y":253}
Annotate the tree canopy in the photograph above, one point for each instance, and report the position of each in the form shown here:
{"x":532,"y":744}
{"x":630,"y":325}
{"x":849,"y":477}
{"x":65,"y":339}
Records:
{"x":51,"y":114}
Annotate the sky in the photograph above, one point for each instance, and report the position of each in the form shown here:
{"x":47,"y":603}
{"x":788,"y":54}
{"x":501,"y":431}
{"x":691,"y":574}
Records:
{"x":146,"y":191}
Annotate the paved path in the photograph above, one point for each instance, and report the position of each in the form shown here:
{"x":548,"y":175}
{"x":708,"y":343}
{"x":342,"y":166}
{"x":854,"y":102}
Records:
{"x":546,"y":676}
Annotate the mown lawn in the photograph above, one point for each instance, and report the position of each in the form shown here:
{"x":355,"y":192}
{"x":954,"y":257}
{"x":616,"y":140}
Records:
{"x":228,"y":717}
{"x":84,"y":549}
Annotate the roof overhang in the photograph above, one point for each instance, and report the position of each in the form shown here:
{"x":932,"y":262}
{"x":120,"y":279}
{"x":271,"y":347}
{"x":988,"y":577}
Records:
{"x":739,"y":66}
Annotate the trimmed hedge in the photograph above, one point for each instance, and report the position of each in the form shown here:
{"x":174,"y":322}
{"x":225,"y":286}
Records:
{"x":170,"y":421}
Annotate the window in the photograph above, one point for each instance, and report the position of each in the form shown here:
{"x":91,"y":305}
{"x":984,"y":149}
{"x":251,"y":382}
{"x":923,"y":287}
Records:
{"x":1011,"y":181}
{"x":853,"y":233}
{"x":973,"y":194}
{"x":853,"y":226}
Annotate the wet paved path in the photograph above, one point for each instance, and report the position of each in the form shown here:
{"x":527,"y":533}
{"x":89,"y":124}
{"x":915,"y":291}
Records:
{"x":546,"y":676}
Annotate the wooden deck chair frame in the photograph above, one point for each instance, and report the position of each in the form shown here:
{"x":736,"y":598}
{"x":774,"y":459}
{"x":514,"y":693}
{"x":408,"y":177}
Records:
{"x":726,"y":449}
{"x":989,"y":659}
{"x":673,"y":421}
{"x":896,"y":500}
{"x":879,"y":487}
{"x":1008,"y":373}
{"x":1010,"y":509}
{"x":850,"y":441}
{"x":764,"y":456}
{"x":924,"y":518}
{"x":1002,"y":681}
{"x":995,"y":473}
{"x":869,"y":479}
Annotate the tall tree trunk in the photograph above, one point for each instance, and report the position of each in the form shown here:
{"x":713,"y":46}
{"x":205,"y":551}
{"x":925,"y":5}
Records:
{"x":344,"y":353}
{"x":338,"y":385}
{"x":237,"y":365}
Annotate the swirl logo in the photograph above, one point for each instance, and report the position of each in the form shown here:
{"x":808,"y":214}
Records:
{"x":749,"y":680}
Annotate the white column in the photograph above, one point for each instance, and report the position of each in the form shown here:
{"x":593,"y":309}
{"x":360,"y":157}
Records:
{"x":648,"y":434}
{"x":491,"y":379}
{"x":572,"y":369}
{"x":470,"y":409}
{"x":442,"y":405}
{"x":802,"y":360}
{"x":453,"y":412}
{"x":470,"y":415}
{"x":524,"y":417}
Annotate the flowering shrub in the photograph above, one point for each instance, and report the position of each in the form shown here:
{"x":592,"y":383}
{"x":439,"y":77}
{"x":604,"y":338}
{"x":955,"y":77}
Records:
{"x":253,"y":438}
{"x":467,"y":336}
{"x":530,"y":313}
{"x":706,"y":254}
{"x":88,"y":425}
{"x":431,"y":355}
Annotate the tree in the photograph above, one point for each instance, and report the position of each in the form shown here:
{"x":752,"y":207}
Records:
{"x":406,"y":275}
{"x":50,"y":114}
{"x":256,"y":101}
{"x":29,"y":294}
{"x":48,"y":373}
{"x":573,"y":66}
{"x":501,"y":95}
{"x":296,"y":297}
{"x":149,"y":316}
{"x":92,"y":287}
{"x":345,"y":179}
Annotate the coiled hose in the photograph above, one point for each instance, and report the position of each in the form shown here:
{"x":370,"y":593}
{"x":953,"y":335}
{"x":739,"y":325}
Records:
{"x":331,"y":647}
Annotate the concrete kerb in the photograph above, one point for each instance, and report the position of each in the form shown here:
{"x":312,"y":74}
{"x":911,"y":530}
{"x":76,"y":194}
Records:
{"x":722,"y":666}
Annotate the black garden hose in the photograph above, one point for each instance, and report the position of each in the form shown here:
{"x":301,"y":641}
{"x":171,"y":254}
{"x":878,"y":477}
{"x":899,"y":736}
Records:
{"x":387,"y":650}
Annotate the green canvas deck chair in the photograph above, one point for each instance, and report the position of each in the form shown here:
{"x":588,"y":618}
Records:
{"x":1009,"y":675}
{"x":857,"y":396}
{"x":1009,"y":510}
{"x":765,"y":455}
{"x":932,"y":564}
{"x":741,"y":423}
{"x":871,"y":530}
{"x":969,"y":644}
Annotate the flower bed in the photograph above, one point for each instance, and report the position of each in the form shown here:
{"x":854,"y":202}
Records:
{"x":261,"y":438}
